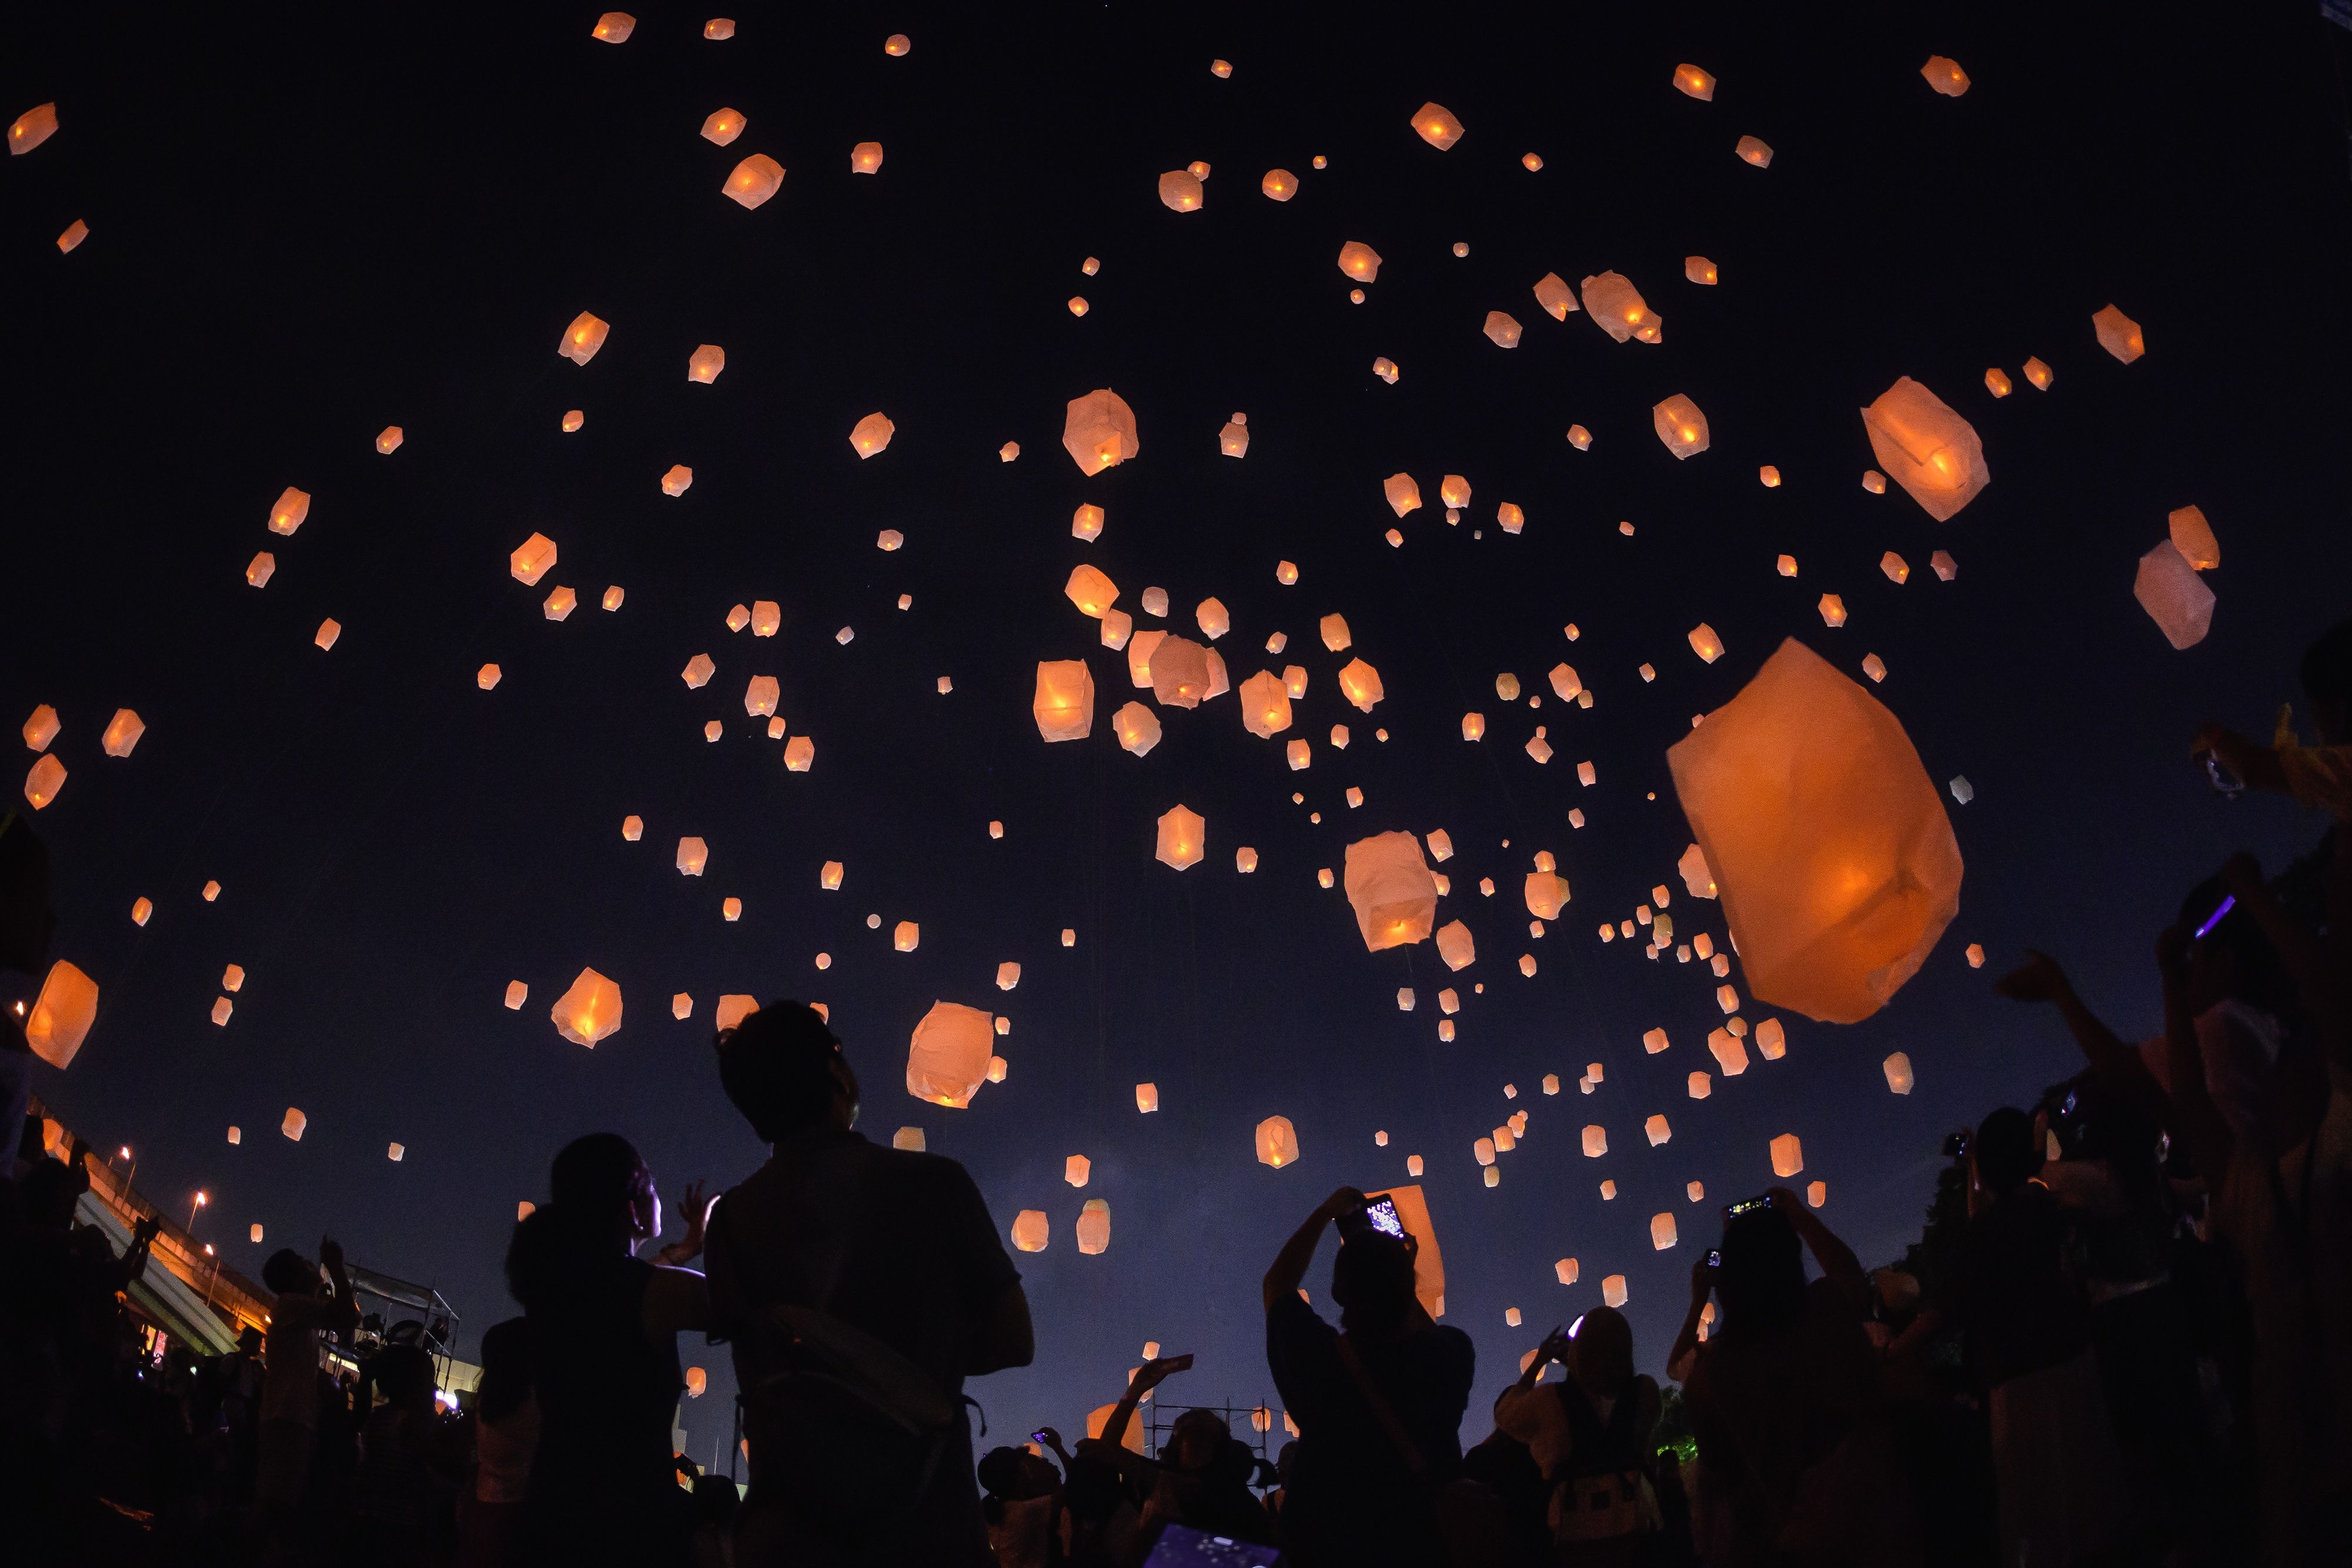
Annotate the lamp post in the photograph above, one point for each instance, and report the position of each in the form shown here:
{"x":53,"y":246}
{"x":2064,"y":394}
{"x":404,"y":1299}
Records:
{"x":194,"y":1207}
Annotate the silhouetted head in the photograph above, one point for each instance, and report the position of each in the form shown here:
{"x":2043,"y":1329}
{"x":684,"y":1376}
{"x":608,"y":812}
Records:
{"x":602,"y":1204}
{"x":248,"y":1339}
{"x":783,"y":1070}
{"x":1762,"y":1281}
{"x":405,"y":1374}
{"x":49,"y":1191}
{"x":2327,"y":681}
{"x":1601,"y":1357}
{"x":1372,"y":1279}
{"x":506,"y":1369}
{"x":1197,"y":1439}
{"x":289,"y":1273}
{"x":26,"y":919}
{"x":2008,"y":1153}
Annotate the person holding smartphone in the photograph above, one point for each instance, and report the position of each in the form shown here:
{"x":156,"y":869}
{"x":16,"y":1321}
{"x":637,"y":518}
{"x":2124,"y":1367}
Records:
{"x":1378,"y":1401}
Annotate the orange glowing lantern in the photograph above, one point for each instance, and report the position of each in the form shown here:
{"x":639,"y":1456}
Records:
{"x":1931,"y":451}
{"x":588,"y":1011}
{"x":753,"y":180}
{"x":1098,"y":431}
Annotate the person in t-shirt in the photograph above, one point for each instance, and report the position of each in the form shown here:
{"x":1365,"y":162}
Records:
{"x":1379,"y":1401}
{"x":303,"y":1315}
{"x":884,"y":1263}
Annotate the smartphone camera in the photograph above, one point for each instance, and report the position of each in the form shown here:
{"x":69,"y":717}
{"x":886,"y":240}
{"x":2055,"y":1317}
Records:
{"x":1956,"y":1147}
{"x":1715,"y":1257}
{"x":1378,"y":1215}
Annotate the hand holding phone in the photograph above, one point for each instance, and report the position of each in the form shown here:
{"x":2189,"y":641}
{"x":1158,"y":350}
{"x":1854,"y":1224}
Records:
{"x":1373,"y":1214}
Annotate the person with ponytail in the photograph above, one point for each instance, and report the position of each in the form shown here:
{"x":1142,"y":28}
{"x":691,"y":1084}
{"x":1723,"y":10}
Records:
{"x":602,"y":1326}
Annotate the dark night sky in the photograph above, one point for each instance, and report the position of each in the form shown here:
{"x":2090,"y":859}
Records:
{"x":306,"y":226}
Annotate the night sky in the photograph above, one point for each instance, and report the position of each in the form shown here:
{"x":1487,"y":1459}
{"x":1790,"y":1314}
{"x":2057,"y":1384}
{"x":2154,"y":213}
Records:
{"x":306,"y":224}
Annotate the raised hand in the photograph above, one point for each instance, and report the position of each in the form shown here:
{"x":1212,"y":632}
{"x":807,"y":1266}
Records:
{"x":2038,"y":979}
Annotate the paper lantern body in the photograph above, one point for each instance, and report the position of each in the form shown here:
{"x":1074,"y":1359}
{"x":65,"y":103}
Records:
{"x":754,"y":180}
{"x":1898,"y":1073}
{"x":588,"y":1011}
{"x":1137,"y":729}
{"x":122,"y":733}
{"x":1836,"y":864}
{"x":614,"y":27}
{"x":1403,"y":494}
{"x":705,"y":363}
{"x":1147,"y":1098}
{"x":1390,"y":886}
{"x":1617,"y":308}
{"x":1065,"y":703}
{"x":1754,"y":150}
{"x":866,"y":158}
{"x":1945,"y":76}
{"x":1181,"y":191}
{"x":1502,"y":329}
{"x":1435,"y":124}
{"x":32,"y":128}
{"x":1265,"y":705}
{"x":1094,"y":1227}
{"x":1030,"y":1232}
{"x":722,"y":127}
{"x":295,"y":1125}
{"x":947,"y":1059}
{"x":1693,"y":82}
{"x":1361,"y":685}
{"x":293,"y":507}
{"x":1456,"y":946}
{"x":871,"y":435}
{"x":1279,"y":184}
{"x":61,"y":1015}
{"x":1277,"y":1141}
{"x":2174,"y":596}
{"x":2118,"y":334}
{"x":46,"y":776}
{"x":1360,"y":261}
{"x":2192,"y":535}
{"x":1184,"y":838}
{"x":584,"y":337}
{"x":1546,"y":894}
{"x":1680,"y":425}
{"x":1788,"y":1155}
{"x":1098,"y":431}
{"x":1555,"y":295}
{"x":1179,"y":673}
{"x":1930,"y":450}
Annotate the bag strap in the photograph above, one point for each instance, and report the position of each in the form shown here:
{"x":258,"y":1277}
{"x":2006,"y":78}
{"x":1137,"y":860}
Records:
{"x":1382,"y":1412}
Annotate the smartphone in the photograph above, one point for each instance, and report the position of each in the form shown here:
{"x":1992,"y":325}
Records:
{"x":1748,"y":1206}
{"x":1038,"y":1439}
{"x":1715,"y":1257}
{"x":1378,"y":1214}
{"x":1955,"y":1145}
{"x":1178,"y":1362}
{"x":1183,"y":1547}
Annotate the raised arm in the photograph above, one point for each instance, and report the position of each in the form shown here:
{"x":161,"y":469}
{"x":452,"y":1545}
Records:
{"x":1289,"y":1269}
{"x":2039,"y":979}
{"x":2207,"y":1136}
{"x":1836,"y":1258}
{"x":342,"y":1317}
{"x":1147,"y":1378}
{"x":1686,"y":1343}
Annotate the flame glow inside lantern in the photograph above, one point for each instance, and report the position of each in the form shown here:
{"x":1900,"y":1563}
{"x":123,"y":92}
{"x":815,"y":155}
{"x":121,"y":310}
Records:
{"x":1182,"y":838}
{"x":1098,"y":431}
{"x":1181,"y":191}
{"x":1391,"y":890}
{"x":1179,"y":673}
{"x":866,"y":158}
{"x":1555,"y":295}
{"x":122,"y":733}
{"x":1788,"y":1155}
{"x":1617,"y":308}
{"x":1546,"y":894}
{"x":614,"y":27}
{"x":1435,"y":124}
{"x":1064,"y":703}
{"x":584,"y":337}
{"x":1502,"y":329}
{"x":1361,"y":685}
{"x":1360,"y":261}
{"x":1930,"y":450}
{"x":1837,"y":866}
{"x":1265,"y":705}
{"x":1693,"y":82}
{"x":1754,"y":150}
{"x":1456,"y":946}
{"x":1277,"y":1141}
{"x":1279,"y":184}
{"x":1137,"y":729}
{"x":32,"y":128}
{"x":1094,"y":1227}
{"x":871,"y":435}
{"x":1030,"y":1230}
{"x":723,"y":127}
{"x":705,"y":363}
{"x":292,"y":506}
{"x":1680,"y":425}
{"x":61,"y":1015}
{"x":947,"y":1059}
{"x":295,"y":1125}
{"x":588,"y":1011}
{"x":2192,"y":535}
{"x":1898,"y":1073}
{"x":1945,"y":76}
{"x":2174,"y":595}
{"x":1402,"y":493}
{"x":753,"y":180}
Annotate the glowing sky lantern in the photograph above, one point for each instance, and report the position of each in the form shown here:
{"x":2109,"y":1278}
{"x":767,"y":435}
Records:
{"x":1456,"y":946}
{"x":260,"y":570}
{"x":1333,"y":629}
{"x":1680,"y":425}
{"x":1699,"y":271}
{"x":1930,"y":450}
{"x":1898,"y":1073}
{"x":1184,"y":838}
{"x":1098,"y":431}
{"x":897,"y":46}
{"x":705,"y":363}
{"x":1030,"y":1230}
{"x":1181,"y":675}
{"x":294,"y":1125}
{"x":1945,"y":76}
{"x":588,"y":1011}
{"x":1181,"y":191}
{"x":866,"y":158}
{"x":1391,"y":890}
{"x":753,"y":180}
{"x":693,"y":854}
{"x":1753,"y":150}
{"x":1360,"y":261}
{"x":1555,"y":295}
{"x":1091,"y":591}
{"x":1546,"y":894}
{"x":2175,"y":597}
{"x":947,"y":1057}
{"x":61,"y":1015}
{"x":1435,"y":124}
{"x":1265,"y":705}
{"x":1661,"y":1231}
{"x":1697,"y":877}
{"x":1234,"y":439}
{"x":723,"y":126}
{"x":1502,"y":329}
{"x":1137,"y":729}
{"x":291,"y":507}
{"x":614,"y":27}
{"x":1277,"y":1142}
{"x":1064,"y":706}
{"x":1788,"y":1155}
{"x":1617,"y":308}
{"x":1361,"y":685}
{"x":2118,"y":334}
{"x":32,"y":128}
{"x":1837,"y":867}
{"x":584,"y":337}
{"x":1693,"y":82}
{"x":1279,"y":184}
{"x":2192,"y":535}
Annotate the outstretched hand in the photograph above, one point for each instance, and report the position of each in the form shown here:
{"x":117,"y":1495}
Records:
{"x":1153,"y":1372}
{"x":1345,"y":1201}
{"x":1555,"y":1347}
{"x":2038,"y":979}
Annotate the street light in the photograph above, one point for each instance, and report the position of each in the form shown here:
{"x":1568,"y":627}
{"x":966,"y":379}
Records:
{"x":201,"y":1201}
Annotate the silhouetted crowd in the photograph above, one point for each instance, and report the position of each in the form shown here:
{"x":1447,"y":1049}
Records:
{"x":2125,"y":1336}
